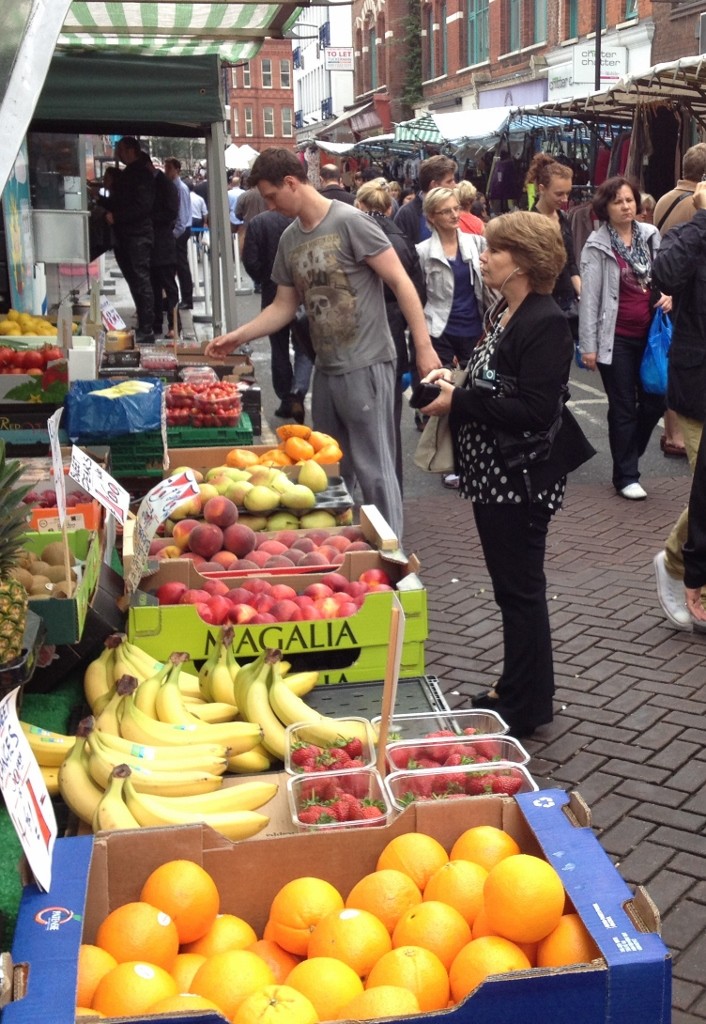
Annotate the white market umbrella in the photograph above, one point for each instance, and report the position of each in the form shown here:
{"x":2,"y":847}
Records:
{"x":240,"y":157}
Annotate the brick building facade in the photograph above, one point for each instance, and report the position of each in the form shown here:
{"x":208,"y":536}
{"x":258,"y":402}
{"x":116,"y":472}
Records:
{"x":261,"y":97}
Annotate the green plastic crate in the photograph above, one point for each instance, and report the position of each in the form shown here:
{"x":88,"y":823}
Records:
{"x":212,"y":437}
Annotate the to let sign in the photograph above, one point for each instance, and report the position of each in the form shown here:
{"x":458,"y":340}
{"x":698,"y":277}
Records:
{"x":339,"y":58}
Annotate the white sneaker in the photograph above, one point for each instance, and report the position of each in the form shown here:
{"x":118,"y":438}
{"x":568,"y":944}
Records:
{"x":670,"y":592}
{"x":633,"y":492}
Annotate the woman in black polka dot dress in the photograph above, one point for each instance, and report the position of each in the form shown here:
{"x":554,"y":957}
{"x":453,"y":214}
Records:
{"x":517,"y":380}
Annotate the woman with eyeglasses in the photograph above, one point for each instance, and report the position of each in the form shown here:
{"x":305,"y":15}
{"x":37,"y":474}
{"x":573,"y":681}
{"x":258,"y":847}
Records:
{"x":456,"y":297}
{"x":615,"y":313}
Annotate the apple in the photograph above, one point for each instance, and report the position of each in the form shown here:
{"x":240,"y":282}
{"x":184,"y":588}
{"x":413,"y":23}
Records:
{"x":215,"y":587}
{"x":310,"y":612}
{"x":286,"y":610}
{"x":318,"y":590}
{"x":241,"y":613}
{"x":262,"y":618}
{"x":240,"y":595}
{"x":347,"y":608}
{"x":170,"y":593}
{"x":336,"y":581}
{"x":356,"y":589}
{"x":263,"y":602}
{"x":283,"y":592}
{"x":328,"y":606}
{"x":259,"y":586}
{"x":194,"y":596}
{"x":205,"y":612}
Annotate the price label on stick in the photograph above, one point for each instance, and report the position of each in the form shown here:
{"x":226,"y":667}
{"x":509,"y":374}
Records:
{"x":156,"y":506}
{"x":26,"y":798}
{"x":57,"y":464}
{"x":99,"y":484}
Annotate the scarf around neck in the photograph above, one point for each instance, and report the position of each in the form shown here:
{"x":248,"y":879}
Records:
{"x":637,"y":256}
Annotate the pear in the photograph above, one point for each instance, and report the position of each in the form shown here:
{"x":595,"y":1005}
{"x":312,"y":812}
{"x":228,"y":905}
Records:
{"x":319,"y":520}
{"x":298,"y":496}
{"x":215,"y":471}
{"x":236,"y":474}
{"x":254,"y":522}
{"x":261,"y":499}
{"x":313,"y":476}
{"x":282,"y":521}
{"x":237,"y":490}
{"x":279,"y":481}
{"x":198,"y":475}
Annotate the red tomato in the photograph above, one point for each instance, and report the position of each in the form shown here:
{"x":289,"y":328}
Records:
{"x":51,"y":353}
{"x":7,"y":355}
{"x":32,"y":359}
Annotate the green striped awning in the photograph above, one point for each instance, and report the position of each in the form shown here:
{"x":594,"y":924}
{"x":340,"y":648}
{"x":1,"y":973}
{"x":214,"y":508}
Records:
{"x":419,"y":129}
{"x":230,"y":28}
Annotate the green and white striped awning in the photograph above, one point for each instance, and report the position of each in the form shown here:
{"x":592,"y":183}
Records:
{"x":231,"y":28}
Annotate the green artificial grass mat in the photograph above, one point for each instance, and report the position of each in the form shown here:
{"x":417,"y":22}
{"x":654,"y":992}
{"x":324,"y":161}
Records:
{"x":53,"y":710}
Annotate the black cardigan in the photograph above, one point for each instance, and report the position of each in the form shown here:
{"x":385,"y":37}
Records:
{"x":536,"y":349}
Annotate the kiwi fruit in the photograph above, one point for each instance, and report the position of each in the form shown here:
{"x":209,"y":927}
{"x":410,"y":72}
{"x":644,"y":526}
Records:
{"x":57,"y":573}
{"x":39,"y":586}
{"x":54,"y":554}
{"x":63,"y":589}
{"x":25,"y":559}
{"x":40,"y":568}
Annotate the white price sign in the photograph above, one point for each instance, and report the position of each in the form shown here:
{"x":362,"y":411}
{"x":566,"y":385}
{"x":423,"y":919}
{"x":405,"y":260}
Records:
{"x":57,"y":464}
{"x":99,"y":484}
{"x":112,"y":321}
{"x":155,"y":507}
{"x":26,"y":797}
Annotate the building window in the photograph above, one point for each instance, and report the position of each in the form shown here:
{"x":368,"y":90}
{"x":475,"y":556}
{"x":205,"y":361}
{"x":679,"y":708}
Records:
{"x":514,"y":24}
{"x":373,"y":51}
{"x":234,"y":78}
{"x":268,"y":121}
{"x":235,"y":122}
{"x":431,"y":62}
{"x":266,"y":73}
{"x":285,"y":74}
{"x":286,"y":122}
{"x":248,"y":122}
{"x":477,"y":31}
{"x":246,"y":75}
{"x":539,"y":22}
{"x":444,"y":40}
{"x":630,"y":9}
{"x":572,"y":27}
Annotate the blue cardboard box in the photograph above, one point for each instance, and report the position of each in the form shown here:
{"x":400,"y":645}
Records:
{"x":629,"y":984}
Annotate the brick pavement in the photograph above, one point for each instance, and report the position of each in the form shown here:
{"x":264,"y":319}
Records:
{"x":629,"y":731}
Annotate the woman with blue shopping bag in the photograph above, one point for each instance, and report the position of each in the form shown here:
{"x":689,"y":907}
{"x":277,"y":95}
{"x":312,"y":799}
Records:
{"x":615,"y":315}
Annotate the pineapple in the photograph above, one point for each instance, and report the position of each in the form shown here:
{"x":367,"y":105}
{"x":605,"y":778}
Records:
{"x":13,"y":526}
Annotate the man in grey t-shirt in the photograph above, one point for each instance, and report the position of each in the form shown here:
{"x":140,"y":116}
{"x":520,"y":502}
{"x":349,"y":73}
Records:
{"x":334,"y":259}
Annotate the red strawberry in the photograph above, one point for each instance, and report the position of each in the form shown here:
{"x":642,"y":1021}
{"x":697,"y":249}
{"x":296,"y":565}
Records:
{"x":453,"y":760}
{"x":439,"y":733}
{"x":422,"y":786}
{"x":508,"y":785}
{"x":354,"y":747}
{"x":470,"y":731}
{"x":477,"y":785}
{"x":315,"y":814}
{"x":370,"y":812}
{"x":355,"y":808}
{"x":340,"y":809}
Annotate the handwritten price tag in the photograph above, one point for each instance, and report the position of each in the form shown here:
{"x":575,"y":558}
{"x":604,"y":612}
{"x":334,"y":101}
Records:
{"x":156,"y":506}
{"x":26,"y":798}
{"x":99,"y":484}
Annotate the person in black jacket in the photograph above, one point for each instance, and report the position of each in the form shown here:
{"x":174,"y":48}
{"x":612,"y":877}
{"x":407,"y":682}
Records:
{"x":130,"y":214}
{"x":331,"y":185}
{"x":436,"y":172}
{"x":679,"y":269}
{"x":373,"y":198}
{"x":290,"y":383}
{"x":164,"y":251}
{"x":517,"y":385}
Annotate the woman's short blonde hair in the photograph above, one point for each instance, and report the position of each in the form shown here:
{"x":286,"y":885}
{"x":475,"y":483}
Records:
{"x":466,"y":192}
{"x":535,"y":243}
{"x":374,"y":195}
{"x":435,"y":197}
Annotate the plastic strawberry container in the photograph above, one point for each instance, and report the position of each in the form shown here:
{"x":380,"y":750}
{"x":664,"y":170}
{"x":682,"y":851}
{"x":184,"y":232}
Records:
{"x":500,"y":779}
{"x":417,"y":726}
{"x":363,"y":787}
{"x":405,"y":755}
{"x":305,"y":735}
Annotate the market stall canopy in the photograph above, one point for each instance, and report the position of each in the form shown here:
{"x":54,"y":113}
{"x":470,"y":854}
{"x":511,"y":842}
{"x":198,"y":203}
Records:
{"x":680,"y":83}
{"x":482,"y":127}
{"x":239,"y":158}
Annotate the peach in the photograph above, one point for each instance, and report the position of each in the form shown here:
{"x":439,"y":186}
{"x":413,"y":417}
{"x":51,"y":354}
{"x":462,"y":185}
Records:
{"x":314,"y":558}
{"x":318,"y":537}
{"x":241,"y":613}
{"x":278,"y":562}
{"x":262,"y":603}
{"x":329,"y":553}
{"x":158,"y":543}
{"x":210,"y":567}
{"x":259,"y":557}
{"x":246,"y":565}
{"x":198,"y":560}
{"x":206,"y":539}
{"x":287,"y":537}
{"x":316,"y":591}
{"x":338,"y":541}
{"x":262,"y":618}
{"x":217,"y":588}
{"x":189,"y":508}
{"x":328,"y":607}
{"x":272,"y":547}
{"x":220,"y":608}
{"x":283,"y":592}
{"x":286,"y":611}
{"x":294,"y":555}
{"x":352,"y":533}
{"x":239,"y":539}
{"x":259,"y":586}
{"x":181,"y":531}
{"x":336,"y":581}
{"x":240,"y":595}
{"x":194,"y":596}
{"x":226,"y":560}
{"x":360,"y":545}
{"x":304,"y":544}
{"x":347,"y":608}
{"x":220,"y":512}
{"x":375,"y":576}
{"x":309,"y":612}
{"x":170,"y":551}
{"x":205,"y":612}
{"x":356,"y":589}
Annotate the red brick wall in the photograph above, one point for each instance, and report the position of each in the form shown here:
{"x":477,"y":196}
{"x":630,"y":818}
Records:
{"x":258,"y":98}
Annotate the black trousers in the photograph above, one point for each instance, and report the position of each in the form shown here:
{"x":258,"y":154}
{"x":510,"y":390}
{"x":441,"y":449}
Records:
{"x":166,"y":295}
{"x":183,"y":271}
{"x":134,"y":257}
{"x":513,"y":539}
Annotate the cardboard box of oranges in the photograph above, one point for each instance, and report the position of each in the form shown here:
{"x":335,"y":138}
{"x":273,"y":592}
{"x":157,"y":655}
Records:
{"x":626,"y":980}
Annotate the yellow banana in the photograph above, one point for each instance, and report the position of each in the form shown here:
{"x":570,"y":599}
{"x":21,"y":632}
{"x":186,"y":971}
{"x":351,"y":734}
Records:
{"x":140,"y":728}
{"x":217,"y":674}
{"x":216,"y":764}
{"x":98,"y":677}
{"x":179,"y":783}
{"x":232,"y":824}
{"x":291,"y":709}
{"x":149,"y":754}
{"x":146,"y":693}
{"x":108,"y":720}
{"x":214,"y":712}
{"x":49,"y":748}
{"x":146,"y":666}
{"x":51,"y":779}
{"x":245,"y":796}
{"x":300,"y":683}
{"x":243,"y":677}
{"x":78,"y":790}
{"x":112,"y":813}
{"x":255,"y":760}
{"x":189,"y":684}
{"x":257,"y":708}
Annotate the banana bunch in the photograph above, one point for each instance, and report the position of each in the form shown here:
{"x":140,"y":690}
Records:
{"x":120,"y":658}
{"x":217,"y":674}
{"x":126,"y":387}
{"x":266,"y":696}
{"x":231,"y":811}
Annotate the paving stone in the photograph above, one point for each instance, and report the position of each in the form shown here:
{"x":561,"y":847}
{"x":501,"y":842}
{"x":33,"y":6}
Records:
{"x":622,"y":839}
{"x":683,"y":924}
{"x":685,"y":997}
{"x":667,"y":889}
